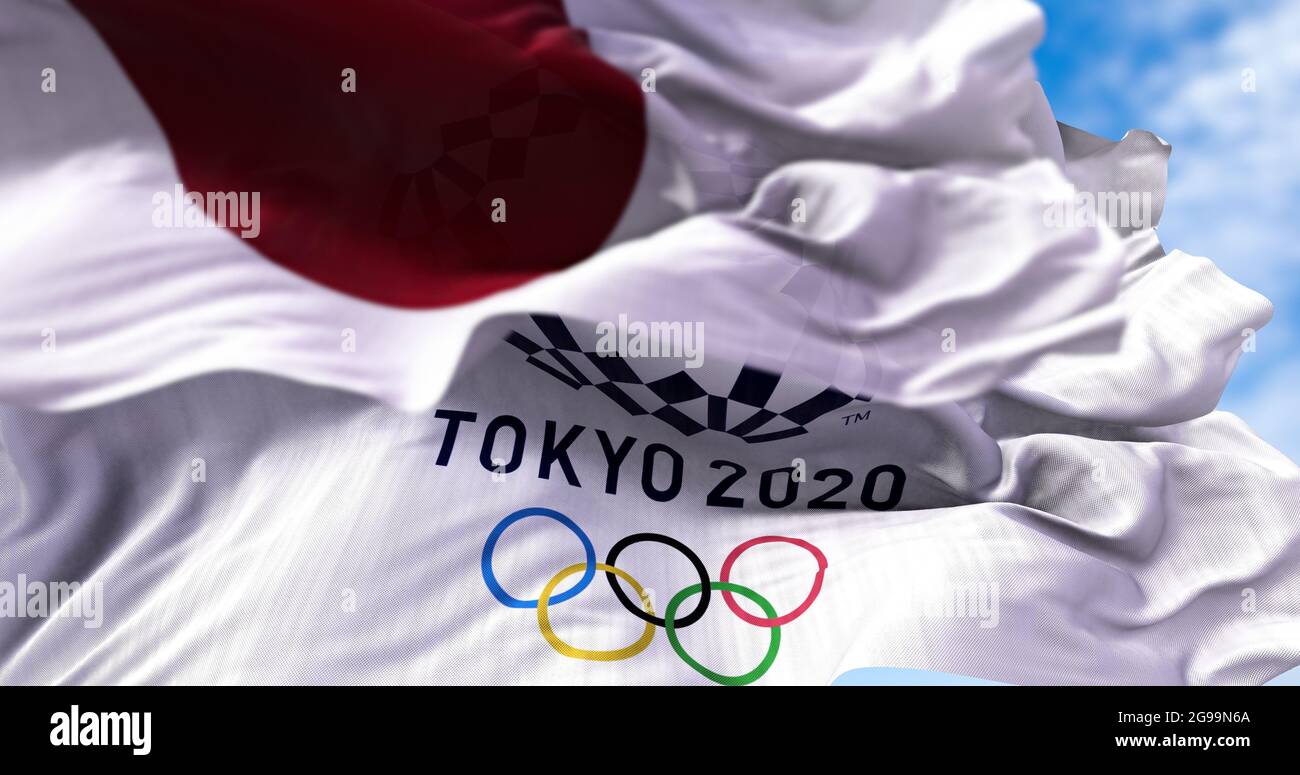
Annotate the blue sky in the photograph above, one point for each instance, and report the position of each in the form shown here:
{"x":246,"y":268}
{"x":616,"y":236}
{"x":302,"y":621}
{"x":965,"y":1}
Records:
{"x":1175,"y":67}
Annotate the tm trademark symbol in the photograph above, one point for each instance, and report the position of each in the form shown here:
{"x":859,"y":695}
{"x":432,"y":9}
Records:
{"x":856,"y":417}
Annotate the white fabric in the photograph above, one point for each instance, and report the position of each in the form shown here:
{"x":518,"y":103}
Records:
{"x":902,"y":254}
{"x":742,"y":87}
{"x":313,"y":496}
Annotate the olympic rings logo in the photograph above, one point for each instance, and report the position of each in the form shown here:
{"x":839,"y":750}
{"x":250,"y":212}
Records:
{"x":670,"y":622}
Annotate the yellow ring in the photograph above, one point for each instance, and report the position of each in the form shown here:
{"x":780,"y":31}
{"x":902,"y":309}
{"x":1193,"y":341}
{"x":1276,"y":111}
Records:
{"x":544,"y":622}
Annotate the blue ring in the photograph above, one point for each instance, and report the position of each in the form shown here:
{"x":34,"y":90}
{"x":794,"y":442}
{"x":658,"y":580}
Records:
{"x":535,"y":511}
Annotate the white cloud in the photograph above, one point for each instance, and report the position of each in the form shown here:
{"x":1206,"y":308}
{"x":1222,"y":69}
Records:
{"x":1234,"y":181}
{"x":1269,"y":408}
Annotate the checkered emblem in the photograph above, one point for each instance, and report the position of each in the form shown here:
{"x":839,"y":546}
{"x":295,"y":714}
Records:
{"x":749,"y":410}
{"x":474,"y":153}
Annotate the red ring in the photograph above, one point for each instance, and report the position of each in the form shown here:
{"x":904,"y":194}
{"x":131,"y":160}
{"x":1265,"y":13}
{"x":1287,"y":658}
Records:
{"x":780,"y":620}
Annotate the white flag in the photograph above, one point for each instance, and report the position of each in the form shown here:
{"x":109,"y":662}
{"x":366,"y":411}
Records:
{"x":748,"y":343}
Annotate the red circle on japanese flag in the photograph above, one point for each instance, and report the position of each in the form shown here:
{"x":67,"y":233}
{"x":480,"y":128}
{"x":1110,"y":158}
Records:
{"x":408,"y":152}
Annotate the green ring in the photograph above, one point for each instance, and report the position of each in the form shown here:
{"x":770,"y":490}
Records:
{"x":726,"y":680}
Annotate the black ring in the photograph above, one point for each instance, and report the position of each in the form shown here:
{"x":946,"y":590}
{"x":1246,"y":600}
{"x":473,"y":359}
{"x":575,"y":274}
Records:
{"x":705,"y":586}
